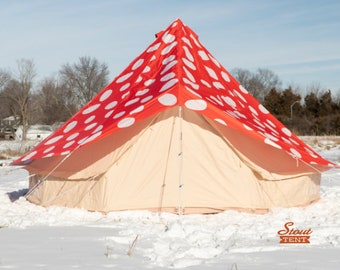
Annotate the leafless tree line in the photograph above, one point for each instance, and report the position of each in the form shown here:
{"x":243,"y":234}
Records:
{"x":56,"y":99}
{"x":53,"y":99}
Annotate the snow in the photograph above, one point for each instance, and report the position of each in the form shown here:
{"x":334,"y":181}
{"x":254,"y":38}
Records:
{"x":34,"y":237}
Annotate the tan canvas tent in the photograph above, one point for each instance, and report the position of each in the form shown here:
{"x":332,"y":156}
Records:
{"x":174,"y":132}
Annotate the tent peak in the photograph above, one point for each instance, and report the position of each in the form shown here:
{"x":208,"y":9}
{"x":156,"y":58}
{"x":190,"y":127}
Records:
{"x":174,"y":70}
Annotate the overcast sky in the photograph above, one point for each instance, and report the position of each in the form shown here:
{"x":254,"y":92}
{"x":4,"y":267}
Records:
{"x":297,"y":39}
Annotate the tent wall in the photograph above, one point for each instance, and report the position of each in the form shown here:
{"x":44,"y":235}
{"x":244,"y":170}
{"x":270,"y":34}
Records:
{"x":171,"y":163}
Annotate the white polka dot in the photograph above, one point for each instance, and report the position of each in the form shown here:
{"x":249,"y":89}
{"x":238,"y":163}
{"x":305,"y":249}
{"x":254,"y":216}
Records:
{"x":259,"y":123}
{"x":203,"y":55}
{"x":67,"y":145}
{"x":124,"y":77}
{"x":293,"y":141}
{"x":125,"y":95}
{"x":216,"y":100}
{"x":240,"y":115}
{"x":137,"y":110}
{"x":270,"y":142}
{"x":195,"y":40}
{"x":149,"y":82}
{"x":49,"y":155}
{"x":120,"y":114}
{"x":229,"y":101}
{"x":242,"y":105}
{"x":271,"y":123}
{"x":240,"y":96}
{"x":167,"y":49}
{"x":253,"y":111}
{"x":89,"y":119}
{"x":189,"y":75}
{"x":168,"y":85}
{"x":263,"y":109}
{"x":105,"y":95}
{"x":91,"y":109}
{"x":286,"y":140}
{"x":243,"y":89}
{"x":83,"y":140}
{"x":111,"y":105}
{"x":139,"y":79}
{"x":174,"y":24}
{"x":196,"y":104}
{"x":70,"y":126}
{"x":168,"y":100}
{"x":286,"y":131}
{"x":214,"y":61}
{"x":206,"y":83}
{"x":169,"y":66}
{"x":30,"y":155}
{"x":247,"y":127}
{"x":168,"y":77}
{"x":189,"y":64}
{"x":54,"y":140}
{"x":73,"y":136}
{"x":225,"y":76}
{"x":90,"y":138}
{"x":220,"y":121}
{"x":49,"y":149}
{"x":137,"y":64}
{"x":131,"y":101}
{"x":271,"y":137}
{"x":99,"y":128}
{"x":146,"y":99}
{"x":311,"y":153}
{"x":188,"y":54}
{"x":274,"y":131}
{"x":90,"y":126}
{"x":218,"y":85}
{"x":192,"y":91}
{"x":142,"y":92}
{"x":193,"y":85}
{"x":211,"y":72}
{"x":168,"y":59}
{"x":295,"y":153}
{"x":124,"y":87}
{"x":153,"y":47}
{"x":146,"y":69}
{"x":108,"y":114}
{"x":153,"y":58}
{"x":187,"y":41}
{"x":126,"y":122}
{"x":168,"y":38}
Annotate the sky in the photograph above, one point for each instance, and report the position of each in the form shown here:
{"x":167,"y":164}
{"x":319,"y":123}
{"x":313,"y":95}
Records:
{"x":299,"y":40}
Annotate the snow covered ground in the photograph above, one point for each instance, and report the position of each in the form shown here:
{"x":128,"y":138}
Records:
{"x":33,"y":237}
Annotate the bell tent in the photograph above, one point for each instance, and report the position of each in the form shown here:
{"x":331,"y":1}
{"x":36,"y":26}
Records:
{"x":173,"y":132}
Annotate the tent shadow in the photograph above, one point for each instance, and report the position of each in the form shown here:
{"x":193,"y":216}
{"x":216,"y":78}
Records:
{"x":15,"y":195}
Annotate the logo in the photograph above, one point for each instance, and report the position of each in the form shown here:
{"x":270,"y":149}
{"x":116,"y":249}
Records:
{"x":290,"y":235}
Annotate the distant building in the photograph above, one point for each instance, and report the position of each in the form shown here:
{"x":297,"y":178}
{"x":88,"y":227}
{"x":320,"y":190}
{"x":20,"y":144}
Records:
{"x":10,"y":121}
{"x":8,"y":127}
{"x":34,"y":132}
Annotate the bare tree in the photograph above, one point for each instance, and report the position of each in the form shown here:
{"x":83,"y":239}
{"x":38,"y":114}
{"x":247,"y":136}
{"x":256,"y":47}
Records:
{"x":18,"y":92}
{"x":259,"y":83}
{"x":83,"y":80}
{"x":243,"y":76}
{"x":5,"y":77}
{"x":53,"y":103}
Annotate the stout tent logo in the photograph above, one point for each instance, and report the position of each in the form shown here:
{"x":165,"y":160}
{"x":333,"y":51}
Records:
{"x":290,"y":235}
{"x":173,"y":132}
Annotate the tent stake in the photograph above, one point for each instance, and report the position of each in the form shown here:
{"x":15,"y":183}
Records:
{"x":133,"y":245}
